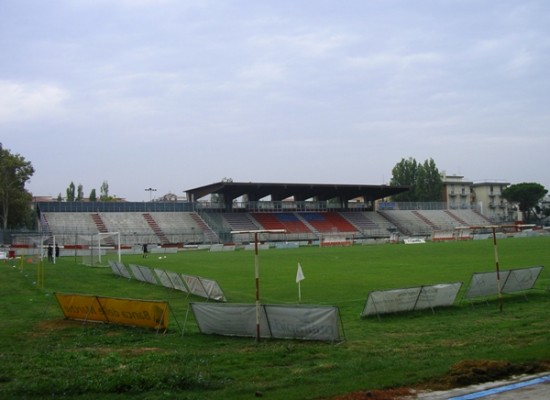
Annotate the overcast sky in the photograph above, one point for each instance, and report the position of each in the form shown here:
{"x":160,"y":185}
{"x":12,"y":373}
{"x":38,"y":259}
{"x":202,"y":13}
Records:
{"x":175,"y":94}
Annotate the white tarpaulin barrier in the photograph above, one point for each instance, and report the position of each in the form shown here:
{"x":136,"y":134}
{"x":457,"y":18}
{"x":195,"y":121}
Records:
{"x":202,"y":287}
{"x":485,"y":283}
{"x":300,"y":322}
{"x":442,"y":295}
{"x":305,"y":323}
{"x":229,"y":319}
{"x":410,"y":299}
{"x":114,"y":268}
{"x":143,"y":274}
{"x":391,"y":301}
{"x":194,"y":285}
{"x":120,"y":269}
{"x":163,"y":278}
{"x":123,"y":270}
{"x":136,"y":271}
{"x":147,"y":274}
{"x":213,"y":290}
{"x":522,"y":279}
{"x":177,"y":282}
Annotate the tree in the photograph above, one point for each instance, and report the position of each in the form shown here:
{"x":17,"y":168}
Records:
{"x":79,"y":193}
{"x":429,"y":185}
{"x":15,"y":171}
{"x":104,"y":192}
{"x":404,"y":174}
{"x":423,"y":179}
{"x":527,"y":195}
{"x":93,"y":196}
{"x":71,"y":192}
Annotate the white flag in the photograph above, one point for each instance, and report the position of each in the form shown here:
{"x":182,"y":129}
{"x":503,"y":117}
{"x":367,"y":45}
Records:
{"x":299,"y":274}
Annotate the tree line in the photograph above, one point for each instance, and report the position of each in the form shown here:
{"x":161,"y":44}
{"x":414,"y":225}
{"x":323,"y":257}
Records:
{"x":76,"y":193}
{"x":425,"y":183}
{"x":423,"y":179}
{"x":15,"y":171}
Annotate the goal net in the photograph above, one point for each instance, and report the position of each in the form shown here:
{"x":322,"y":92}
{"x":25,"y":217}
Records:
{"x":33,"y":248}
{"x":336,"y":239}
{"x":103,"y":246}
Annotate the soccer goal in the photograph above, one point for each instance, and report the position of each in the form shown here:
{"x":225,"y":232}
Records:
{"x":33,"y":247}
{"x":104,"y":246}
{"x":335,"y":239}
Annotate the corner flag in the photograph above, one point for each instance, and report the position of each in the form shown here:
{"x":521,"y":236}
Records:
{"x":299,"y":278}
{"x":299,"y":274}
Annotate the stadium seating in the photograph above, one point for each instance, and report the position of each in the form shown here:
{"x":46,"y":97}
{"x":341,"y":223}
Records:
{"x":288,"y":221}
{"x":328,"y":222}
{"x":369,"y":223}
{"x":408,"y":223}
{"x":174,"y":228}
{"x":239,"y":221}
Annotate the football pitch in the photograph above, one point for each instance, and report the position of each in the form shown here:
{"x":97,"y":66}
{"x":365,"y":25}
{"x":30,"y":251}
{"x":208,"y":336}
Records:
{"x":45,"y":356}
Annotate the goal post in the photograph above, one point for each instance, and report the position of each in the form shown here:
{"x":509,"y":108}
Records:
{"x":108,"y":235}
{"x":335,"y":239}
{"x":101,"y":244}
{"x":33,"y":247}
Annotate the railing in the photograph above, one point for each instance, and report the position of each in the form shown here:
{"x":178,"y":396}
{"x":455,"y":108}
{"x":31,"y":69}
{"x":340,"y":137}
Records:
{"x":107,"y":206}
{"x":412,"y":205}
{"x":281,"y":206}
{"x":249,"y":206}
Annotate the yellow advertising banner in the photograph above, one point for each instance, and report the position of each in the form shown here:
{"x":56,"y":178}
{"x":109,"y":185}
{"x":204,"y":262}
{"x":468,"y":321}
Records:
{"x":80,"y":307}
{"x":146,"y":313}
{"x":143,"y":313}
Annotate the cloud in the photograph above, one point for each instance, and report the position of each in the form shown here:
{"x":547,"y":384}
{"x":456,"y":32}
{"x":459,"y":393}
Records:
{"x":262,"y":73}
{"x":394,"y":60}
{"x":24,"y":101}
{"x":309,"y":44}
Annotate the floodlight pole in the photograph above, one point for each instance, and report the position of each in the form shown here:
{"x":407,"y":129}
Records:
{"x":150,"y":190}
{"x":257,"y":271}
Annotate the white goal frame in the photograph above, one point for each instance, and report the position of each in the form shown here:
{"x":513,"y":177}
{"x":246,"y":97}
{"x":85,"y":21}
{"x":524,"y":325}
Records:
{"x":95,"y":245}
{"x":107,"y":235}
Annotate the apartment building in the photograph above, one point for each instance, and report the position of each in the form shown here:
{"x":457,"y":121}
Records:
{"x":485,"y":197}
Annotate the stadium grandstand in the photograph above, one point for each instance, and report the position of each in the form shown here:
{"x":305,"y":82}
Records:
{"x":312,"y":213}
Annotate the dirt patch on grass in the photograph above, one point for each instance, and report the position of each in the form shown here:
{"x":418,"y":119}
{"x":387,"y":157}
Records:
{"x":463,"y":373}
{"x":471,"y":372}
{"x":48,"y":326}
{"x":387,"y":394}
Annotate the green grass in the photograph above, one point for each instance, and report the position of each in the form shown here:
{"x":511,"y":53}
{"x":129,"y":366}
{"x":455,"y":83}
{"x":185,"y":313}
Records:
{"x":44,"y":356}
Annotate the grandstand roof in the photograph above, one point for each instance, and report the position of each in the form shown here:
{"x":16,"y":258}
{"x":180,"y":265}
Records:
{"x":300,"y":191}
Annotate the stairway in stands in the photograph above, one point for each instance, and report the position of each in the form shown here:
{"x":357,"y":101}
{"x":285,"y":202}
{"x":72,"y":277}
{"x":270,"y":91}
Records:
{"x":102,"y":228}
{"x":156,"y":228}
{"x":456,"y":218}
{"x":45,"y":226}
{"x":208,"y":233}
{"x":425,"y":219}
